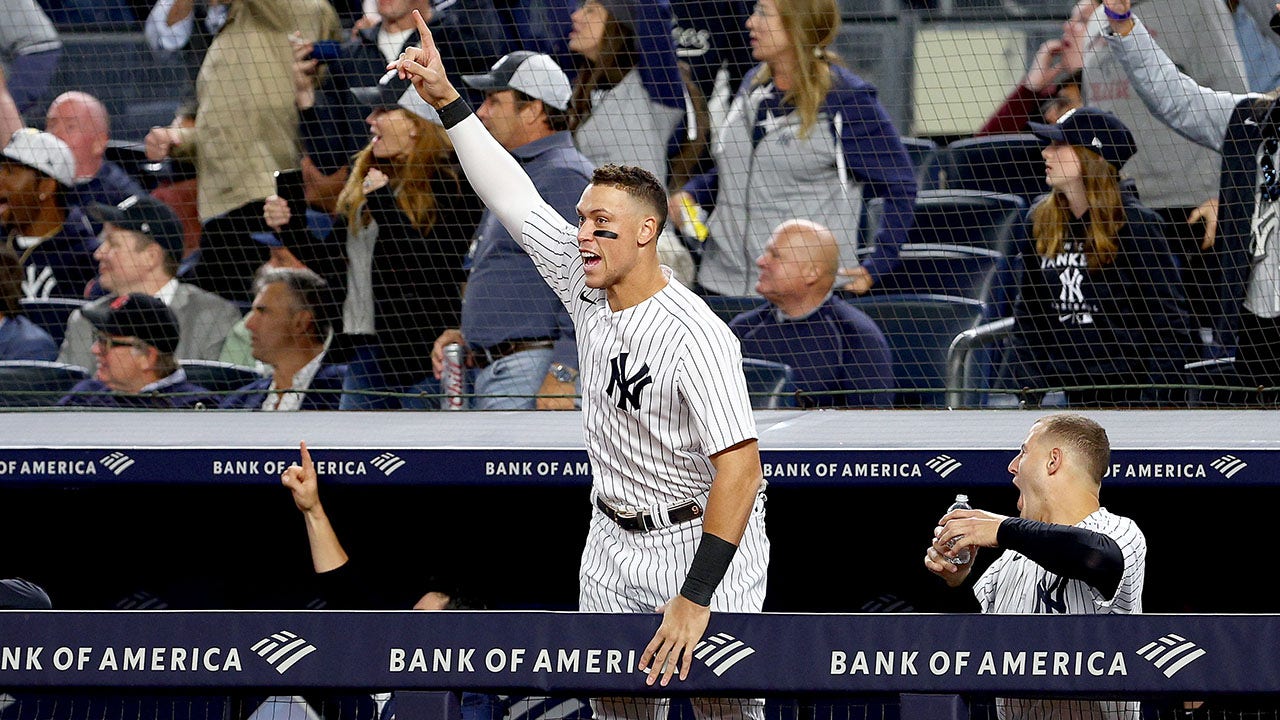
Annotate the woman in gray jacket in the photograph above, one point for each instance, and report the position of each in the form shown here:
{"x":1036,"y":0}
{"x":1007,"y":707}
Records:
{"x":1243,"y":128}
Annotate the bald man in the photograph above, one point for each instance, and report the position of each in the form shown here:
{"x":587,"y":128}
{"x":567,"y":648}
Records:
{"x":81,"y":121}
{"x":839,"y":356}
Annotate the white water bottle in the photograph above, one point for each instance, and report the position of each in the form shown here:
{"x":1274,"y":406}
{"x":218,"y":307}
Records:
{"x":965,"y":555}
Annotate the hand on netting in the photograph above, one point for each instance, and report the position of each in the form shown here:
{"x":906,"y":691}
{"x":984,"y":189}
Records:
{"x":671,"y":649}
{"x":423,"y":67}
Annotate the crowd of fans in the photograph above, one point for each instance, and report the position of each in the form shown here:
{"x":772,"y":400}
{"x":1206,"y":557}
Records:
{"x":304,"y":213}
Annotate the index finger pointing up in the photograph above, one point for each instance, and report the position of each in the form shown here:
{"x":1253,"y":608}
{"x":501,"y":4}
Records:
{"x":424,"y":35}
{"x":307,"y":466}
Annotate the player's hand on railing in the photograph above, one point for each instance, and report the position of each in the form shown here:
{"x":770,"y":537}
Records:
{"x":301,"y":481}
{"x":275,"y":212}
{"x":423,"y":67}
{"x":671,"y":649}
{"x":452,"y":335}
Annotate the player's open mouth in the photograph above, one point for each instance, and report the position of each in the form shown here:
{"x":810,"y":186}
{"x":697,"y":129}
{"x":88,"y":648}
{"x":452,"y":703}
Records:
{"x":590,"y":260}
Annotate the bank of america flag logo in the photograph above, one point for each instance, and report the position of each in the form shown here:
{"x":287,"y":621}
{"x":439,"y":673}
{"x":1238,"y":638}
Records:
{"x":117,"y":462}
{"x":944,"y":465}
{"x":1229,"y":465}
{"x":387,"y":463}
{"x":1171,"y":653}
{"x":721,"y":652}
{"x":283,"y":650}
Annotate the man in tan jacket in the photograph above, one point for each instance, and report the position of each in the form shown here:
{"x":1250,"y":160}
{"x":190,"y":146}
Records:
{"x":246,"y":129}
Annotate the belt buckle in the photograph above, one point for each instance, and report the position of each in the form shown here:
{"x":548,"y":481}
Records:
{"x":643,"y":522}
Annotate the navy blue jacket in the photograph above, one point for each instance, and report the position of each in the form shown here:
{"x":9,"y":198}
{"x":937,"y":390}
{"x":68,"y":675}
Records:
{"x":835,"y":349}
{"x":328,"y":377}
{"x":179,"y":395}
{"x":63,"y":265}
{"x":21,"y":339}
{"x":1123,"y":323}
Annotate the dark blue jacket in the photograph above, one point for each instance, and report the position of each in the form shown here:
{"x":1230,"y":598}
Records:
{"x":1123,"y":323}
{"x":328,"y":378}
{"x":63,"y":265}
{"x":178,"y":395}
{"x":21,"y":339}
{"x":110,"y":186}
{"x":1237,"y":193}
{"x":835,"y":349}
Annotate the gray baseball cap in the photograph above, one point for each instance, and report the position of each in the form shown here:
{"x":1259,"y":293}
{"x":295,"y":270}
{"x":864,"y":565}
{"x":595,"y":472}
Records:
{"x":533,"y":74}
{"x":44,"y":153}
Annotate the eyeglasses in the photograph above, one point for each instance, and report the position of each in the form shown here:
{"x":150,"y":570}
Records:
{"x":108,"y":343}
{"x":1268,"y":187}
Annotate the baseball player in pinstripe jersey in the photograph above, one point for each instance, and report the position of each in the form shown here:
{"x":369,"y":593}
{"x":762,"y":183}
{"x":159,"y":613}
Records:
{"x":678,"y":519}
{"x":1065,"y":554}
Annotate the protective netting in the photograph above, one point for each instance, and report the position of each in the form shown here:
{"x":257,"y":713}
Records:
{"x":874,"y":229}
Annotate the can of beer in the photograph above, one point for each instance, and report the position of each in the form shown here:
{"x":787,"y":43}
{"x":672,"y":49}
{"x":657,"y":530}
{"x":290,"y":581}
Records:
{"x":451,"y":377}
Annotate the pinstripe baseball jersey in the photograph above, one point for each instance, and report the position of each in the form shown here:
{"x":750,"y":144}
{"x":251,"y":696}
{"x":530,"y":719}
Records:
{"x":662,"y":381}
{"x":1015,"y":584}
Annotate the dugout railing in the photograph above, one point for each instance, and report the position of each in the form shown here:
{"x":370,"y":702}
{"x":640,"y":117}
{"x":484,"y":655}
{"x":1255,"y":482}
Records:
{"x":927,"y":666}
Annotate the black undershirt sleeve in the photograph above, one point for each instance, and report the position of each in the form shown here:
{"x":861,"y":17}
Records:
{"x":1068,"y":551}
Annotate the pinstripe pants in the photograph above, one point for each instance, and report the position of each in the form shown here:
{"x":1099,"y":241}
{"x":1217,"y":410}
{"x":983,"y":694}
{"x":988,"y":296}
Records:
{"x":623,"y":571}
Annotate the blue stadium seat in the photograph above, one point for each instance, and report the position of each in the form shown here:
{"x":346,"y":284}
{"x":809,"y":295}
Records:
{"x":770,"y":384}
{"x":20,"y":378}
{"x":967,"y":272}
{"x":217,"y":376}
{"x":922,"y":152}
{"x":51,"y":314}
{"x":1007,"y":164}
{"x":727,"y":307}
{"x":132,"y":156}
{"x":959,"y":217}
{"x":920,"y":329}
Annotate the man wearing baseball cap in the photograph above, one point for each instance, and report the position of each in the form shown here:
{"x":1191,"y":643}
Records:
{"x":135,"y":337}
{"x":140,"y":250}
{"x":53,"y":241}
{"x":519,"y":337}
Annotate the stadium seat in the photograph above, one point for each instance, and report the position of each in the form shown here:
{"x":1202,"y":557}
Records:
{"x":132,"y":156}
{"x":217,"y":376}
{"x":36,"y":383}
{"x":922,"y":152}
{"x":967,"y":272}
{"x":51,"y":314}
{"x":770,"y":384}
{"x":960,"y":217}
{"x":1007,"y":164}
{"x":727,"y":307}
{"x":920,"y":329}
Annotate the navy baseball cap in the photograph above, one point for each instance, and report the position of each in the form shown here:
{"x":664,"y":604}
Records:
{"x":147,"y":216}
{"x":390,"y":93}
{"x":138,"y":315}
{"x":1092,"y":129}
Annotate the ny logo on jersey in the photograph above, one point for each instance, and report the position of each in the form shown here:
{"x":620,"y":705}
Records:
{"x":1049,"y":598}
{"x":629,"y":387}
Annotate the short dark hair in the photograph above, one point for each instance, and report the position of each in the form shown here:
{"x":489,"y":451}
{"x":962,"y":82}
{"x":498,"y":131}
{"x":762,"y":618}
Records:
{"x":639,"y":184}
{"x":1084,"y":435}
{"x":308,"y":290}
{"x":557,"y":119}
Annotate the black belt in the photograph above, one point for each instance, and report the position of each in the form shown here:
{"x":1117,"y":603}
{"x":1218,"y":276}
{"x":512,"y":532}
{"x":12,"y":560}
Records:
{"x":484,"y":357}
{"x":643,"y":521}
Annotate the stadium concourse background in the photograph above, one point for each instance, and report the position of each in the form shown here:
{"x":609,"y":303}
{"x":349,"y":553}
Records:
{"x":185,"y":510}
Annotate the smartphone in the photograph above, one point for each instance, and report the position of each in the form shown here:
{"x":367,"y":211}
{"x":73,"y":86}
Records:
{"x":326,"y":50}
{"x":289,"y":187}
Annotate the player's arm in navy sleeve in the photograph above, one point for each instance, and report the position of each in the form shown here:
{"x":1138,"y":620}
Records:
{"x":875,"y":156}
{"x":1066,"y":550}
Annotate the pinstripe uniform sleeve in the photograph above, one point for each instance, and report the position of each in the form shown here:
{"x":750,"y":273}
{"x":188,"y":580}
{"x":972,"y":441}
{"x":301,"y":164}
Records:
{"x":712,"y":383}
{"x":1133,"y":545}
